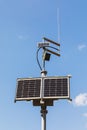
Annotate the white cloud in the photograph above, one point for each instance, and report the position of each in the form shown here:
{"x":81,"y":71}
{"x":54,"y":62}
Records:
{"x":81,"y":100}
{"x":81,"y":47}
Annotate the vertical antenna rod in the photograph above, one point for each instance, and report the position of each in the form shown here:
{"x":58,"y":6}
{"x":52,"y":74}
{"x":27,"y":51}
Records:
{"x":58,"y":23}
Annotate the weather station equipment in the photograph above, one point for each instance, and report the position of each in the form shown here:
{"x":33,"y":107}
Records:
{"x":44,"y":90}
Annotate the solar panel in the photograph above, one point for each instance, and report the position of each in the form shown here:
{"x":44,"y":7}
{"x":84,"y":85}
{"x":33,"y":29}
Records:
{"x":56,"y":87}
{"x":28,"y":89}
{"x":46,"y":88}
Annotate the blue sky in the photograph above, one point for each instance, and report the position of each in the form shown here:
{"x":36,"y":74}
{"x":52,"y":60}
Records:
{"x":23,"y":23}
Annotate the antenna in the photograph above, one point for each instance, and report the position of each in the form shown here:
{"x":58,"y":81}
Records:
{"x":49,"y":47}
{"x":58,"y":23}
{"x":51,"y":41}
{"x":44,"y":90}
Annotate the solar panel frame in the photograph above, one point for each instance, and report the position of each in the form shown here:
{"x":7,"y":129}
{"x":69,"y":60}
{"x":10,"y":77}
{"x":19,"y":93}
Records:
{"x":62,"y":96}
{"x":21,"y":98}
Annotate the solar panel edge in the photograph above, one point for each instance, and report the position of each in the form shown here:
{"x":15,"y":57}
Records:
{"x":18,"y":79}
{"x":69,"y":87}
{"x":56,"y":77}
{"x":16,"y":91}
{"x":26,"y":99}
{"x":57,"y":97}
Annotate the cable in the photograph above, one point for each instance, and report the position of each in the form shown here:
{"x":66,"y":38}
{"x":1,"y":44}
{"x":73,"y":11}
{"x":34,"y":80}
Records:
{"x":38,"y":59}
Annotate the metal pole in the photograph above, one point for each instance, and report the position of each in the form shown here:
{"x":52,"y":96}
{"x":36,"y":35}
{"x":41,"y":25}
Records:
{"x":43,"y":106}
{"x":43,"y":116}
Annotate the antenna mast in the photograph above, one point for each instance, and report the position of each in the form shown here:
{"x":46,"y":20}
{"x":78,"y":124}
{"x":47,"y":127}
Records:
{"x":58,"y":24}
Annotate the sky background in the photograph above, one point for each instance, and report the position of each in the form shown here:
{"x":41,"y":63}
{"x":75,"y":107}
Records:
{"x":23,"y":23}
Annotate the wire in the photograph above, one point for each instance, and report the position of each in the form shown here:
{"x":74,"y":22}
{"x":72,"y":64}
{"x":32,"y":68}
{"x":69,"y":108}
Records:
{"x":38,"y":59}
